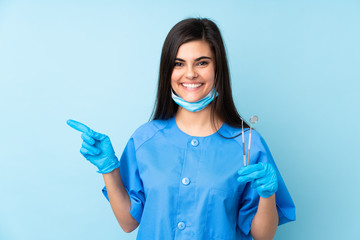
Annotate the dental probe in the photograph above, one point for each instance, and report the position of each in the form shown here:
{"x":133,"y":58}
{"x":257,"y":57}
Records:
{"x":243,"y":141}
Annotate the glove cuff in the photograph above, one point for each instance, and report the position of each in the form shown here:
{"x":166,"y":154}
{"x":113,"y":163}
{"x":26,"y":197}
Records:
{"x":114,"y":163}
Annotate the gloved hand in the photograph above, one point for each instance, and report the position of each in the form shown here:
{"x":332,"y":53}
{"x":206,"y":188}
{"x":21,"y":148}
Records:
{"x":263,"y":176}
{"x":96,"y":148}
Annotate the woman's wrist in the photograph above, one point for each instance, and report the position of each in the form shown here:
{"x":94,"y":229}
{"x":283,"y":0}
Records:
{"x":266,"y":219}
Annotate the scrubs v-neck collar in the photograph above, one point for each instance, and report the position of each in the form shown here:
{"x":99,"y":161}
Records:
{"x":174,"y":125}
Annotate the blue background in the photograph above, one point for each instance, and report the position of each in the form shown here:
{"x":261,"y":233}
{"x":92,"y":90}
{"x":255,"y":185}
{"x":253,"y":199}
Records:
{"x":293,"y":63}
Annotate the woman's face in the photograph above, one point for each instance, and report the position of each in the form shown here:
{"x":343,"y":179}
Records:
{"x":194,"y":71}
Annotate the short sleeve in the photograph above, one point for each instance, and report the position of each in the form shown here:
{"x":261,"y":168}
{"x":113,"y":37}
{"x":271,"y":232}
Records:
{"x":131,"y":179}
{"x":250,"y":198}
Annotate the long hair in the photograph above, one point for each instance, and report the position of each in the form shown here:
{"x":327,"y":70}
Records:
{"x":187,"y":30}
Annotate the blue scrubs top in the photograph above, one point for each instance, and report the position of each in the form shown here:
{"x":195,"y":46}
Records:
{"x":185,"y":187}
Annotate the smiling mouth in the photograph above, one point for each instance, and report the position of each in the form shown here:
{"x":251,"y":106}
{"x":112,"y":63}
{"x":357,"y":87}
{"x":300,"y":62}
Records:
{"x":192,"y":85}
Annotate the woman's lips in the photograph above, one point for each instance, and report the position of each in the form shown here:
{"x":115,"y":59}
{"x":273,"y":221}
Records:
{"x":192,"y":86}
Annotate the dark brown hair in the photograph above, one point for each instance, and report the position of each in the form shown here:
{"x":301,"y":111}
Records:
{"x":187,"y":30}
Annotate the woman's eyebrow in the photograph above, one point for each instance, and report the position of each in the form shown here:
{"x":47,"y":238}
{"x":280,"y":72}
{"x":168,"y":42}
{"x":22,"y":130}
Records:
{"x":198,"y":59}
{"x":201,"y":58}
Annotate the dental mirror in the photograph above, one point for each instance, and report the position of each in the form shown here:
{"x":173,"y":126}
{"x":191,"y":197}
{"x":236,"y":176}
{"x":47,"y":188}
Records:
{"x":254,"y":119}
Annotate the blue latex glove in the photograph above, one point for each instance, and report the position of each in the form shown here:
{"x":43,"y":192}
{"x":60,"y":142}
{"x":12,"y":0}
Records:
{"x":96,"y":148}
{"x":263,"y":176}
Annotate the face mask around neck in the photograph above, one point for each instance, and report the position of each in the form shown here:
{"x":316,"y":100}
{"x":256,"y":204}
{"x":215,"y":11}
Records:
{"x":195,"y":106}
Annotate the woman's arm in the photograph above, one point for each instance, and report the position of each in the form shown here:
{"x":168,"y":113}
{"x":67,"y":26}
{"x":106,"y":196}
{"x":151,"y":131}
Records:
{"x":119,"y":200}
{"x":266,"y":219}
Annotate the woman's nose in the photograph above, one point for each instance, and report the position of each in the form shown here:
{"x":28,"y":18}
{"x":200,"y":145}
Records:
{"x":191,"y":73}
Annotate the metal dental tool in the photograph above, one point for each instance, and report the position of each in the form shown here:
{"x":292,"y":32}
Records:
{"x":243,"y":140}
{"x":253,"y":120}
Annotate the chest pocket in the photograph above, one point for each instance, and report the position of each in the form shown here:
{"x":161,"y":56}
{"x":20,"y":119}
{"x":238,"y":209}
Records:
{"x":222,"y":210}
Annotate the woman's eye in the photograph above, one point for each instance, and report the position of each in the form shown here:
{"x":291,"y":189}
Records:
{"x":177,"y":64}
{"x":203,"y":63}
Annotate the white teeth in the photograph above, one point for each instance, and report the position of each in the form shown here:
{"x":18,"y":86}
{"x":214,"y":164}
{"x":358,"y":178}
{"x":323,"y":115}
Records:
{"x":191,"y":85}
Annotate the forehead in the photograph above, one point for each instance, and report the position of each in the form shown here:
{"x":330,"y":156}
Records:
{"x":194,"y":49}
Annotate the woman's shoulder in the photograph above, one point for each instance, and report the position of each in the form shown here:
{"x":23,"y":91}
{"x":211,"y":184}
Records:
{"x":151,"y":126}
{"x":148,"y":130}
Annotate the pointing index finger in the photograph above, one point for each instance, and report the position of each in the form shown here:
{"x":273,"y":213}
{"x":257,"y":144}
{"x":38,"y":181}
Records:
{"x":78,"y":126}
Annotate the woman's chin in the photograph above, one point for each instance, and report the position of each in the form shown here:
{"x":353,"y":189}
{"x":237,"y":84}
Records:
{"x":192,"y":100}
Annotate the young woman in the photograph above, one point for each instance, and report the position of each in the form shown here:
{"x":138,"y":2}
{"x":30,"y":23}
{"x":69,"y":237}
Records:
{"x":182,"y":175}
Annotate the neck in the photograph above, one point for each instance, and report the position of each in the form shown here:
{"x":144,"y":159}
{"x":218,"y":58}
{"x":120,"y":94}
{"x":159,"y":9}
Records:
{"x":197,"y":123}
